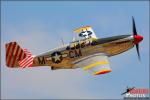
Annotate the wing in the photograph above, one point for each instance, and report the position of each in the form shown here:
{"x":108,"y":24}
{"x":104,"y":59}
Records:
{"x":95,"y":64}
{"x":85,"y":32}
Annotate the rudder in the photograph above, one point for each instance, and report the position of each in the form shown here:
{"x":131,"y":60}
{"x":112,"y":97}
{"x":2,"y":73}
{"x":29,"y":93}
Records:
{"x":14,"y":53}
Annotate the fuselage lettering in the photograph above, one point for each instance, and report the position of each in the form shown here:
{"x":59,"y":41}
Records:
{"x":41,"y":60}
{"x":75,"y":53}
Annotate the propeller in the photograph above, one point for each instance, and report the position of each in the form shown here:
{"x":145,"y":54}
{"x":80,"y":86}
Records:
{"x":134,"y":27}
{"x":137,"y":38}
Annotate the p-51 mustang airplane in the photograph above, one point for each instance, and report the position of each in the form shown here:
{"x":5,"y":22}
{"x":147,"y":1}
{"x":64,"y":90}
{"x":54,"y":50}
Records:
{"x":88,"y":52}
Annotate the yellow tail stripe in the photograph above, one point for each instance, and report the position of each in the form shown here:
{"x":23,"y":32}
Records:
{"x":95,"y":64}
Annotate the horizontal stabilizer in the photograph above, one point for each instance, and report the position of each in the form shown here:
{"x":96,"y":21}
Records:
{"x":28,"y":61}
{"x":86,"y":32}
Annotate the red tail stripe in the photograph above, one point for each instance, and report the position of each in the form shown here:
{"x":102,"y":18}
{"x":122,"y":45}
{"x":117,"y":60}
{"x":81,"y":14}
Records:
{"x":24,"y":55}
{"x":7,"y":53}
{"x":29,"y":62}
{"x":26,"y":61}
{"x":23,"y":61}
{"x":28,"y":65}
{"x":11,"y":53}
{"x":19,"y":51}
{"x":20,"y":54}
{"x":15,"y":55}
{"x":27,"y":52}
{"x":8,"y":48}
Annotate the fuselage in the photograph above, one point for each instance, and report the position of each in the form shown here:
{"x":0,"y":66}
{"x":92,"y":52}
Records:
{"x":109,"y":46}
{"x":88,"y":52}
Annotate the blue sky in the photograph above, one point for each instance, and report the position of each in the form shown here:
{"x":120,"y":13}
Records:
{"x":39,"y":26}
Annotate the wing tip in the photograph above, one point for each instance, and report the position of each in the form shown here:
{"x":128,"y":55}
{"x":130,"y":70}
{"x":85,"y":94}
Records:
{"x":102,"y":72}
{"x":81,"y":28}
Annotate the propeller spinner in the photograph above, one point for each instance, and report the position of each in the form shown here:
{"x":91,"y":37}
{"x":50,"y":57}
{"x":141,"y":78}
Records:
{"x":137,"y":38}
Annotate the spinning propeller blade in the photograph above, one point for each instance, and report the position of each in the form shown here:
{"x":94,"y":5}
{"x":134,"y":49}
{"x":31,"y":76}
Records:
{"x":137,"y":38}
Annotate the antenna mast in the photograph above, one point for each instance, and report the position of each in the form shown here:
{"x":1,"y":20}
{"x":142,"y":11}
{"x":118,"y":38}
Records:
{"x":62,"y":41}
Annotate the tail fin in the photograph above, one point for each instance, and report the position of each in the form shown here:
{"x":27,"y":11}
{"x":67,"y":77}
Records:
{"x":86,"y":32}
{"x":14,"y":53}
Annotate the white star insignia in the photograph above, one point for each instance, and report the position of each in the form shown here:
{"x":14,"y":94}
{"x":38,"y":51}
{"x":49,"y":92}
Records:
{"x":56,"y":57}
